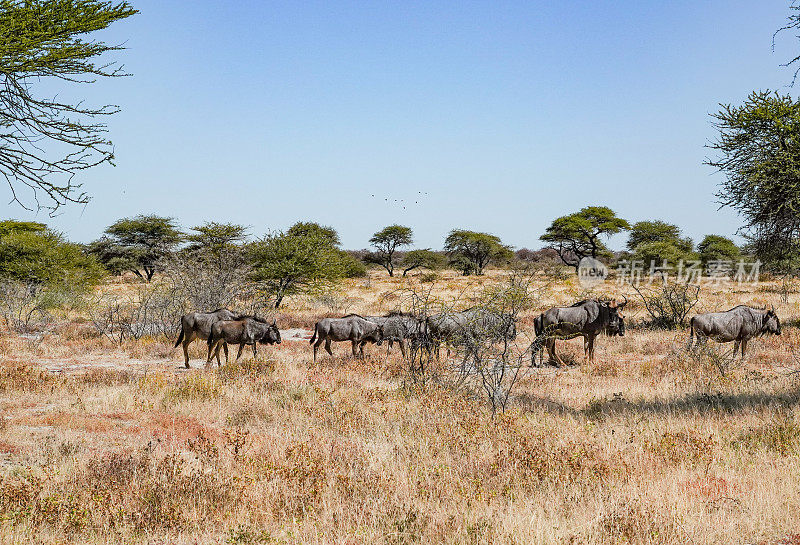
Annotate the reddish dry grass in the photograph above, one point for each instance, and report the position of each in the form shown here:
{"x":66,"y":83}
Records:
{"x":642,"y":447}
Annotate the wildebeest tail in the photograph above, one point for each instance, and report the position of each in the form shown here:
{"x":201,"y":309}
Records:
{"x":211,"y":338}
{"x":314,"y":336}
{"x":538,"y":325}
{"x":180,"y":338}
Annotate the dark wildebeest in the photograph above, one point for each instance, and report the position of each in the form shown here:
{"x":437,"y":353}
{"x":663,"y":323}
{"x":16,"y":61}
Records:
{"x":352,"y":327}
{"x":248,"y":330}
{"x":585,"y":319}
{"x":400,"y":327}
{"x":469,"y":325}
{"x":197,"y":325}
{"x":739,"y":324}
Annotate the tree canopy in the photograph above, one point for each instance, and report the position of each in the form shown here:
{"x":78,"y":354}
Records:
{"x":415,"y":259}
{"x":654,"y":242}
{"x":314,"y":230}
{"x":657,"y":231}
{"x":386,"y":241}
{"x":717,"y":248}
{"x":580,"y":235}
{"x":302,"y":260}
{"x":142,"y":241}
{"x":758,"y":152}
{"x":43,"y":258}
{"x":46,"y":143}
{"x":471,"y":251}
{"x":214,"y":237}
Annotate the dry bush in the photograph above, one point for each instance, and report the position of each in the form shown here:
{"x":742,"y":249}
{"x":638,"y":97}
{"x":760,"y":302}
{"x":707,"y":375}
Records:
{"x":669,"y":304}
{"x":23,"y":307}
{"x":208,"y":280}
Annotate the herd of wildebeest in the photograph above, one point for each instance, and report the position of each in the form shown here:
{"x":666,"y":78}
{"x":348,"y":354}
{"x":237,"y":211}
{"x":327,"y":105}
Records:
{"x":588,"y":319}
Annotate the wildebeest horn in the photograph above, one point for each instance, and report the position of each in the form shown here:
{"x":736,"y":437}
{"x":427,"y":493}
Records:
{"x":623,"y":304}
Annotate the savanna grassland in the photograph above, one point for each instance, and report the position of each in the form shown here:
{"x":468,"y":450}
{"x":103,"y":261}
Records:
{"x":108,"y":442}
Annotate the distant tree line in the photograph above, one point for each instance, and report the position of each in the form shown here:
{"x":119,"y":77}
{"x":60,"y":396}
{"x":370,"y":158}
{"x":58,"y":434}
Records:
{"x":307,"y":258}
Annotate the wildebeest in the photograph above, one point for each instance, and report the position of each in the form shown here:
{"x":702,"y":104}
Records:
{"x":468,"y":325}
{"x":197,"y":325}
{"x":739,"y":324}
{"x":587,"y":319}
{"x":248,"y":330}
{"x":400,"y":327}
{"x":352,"y":327}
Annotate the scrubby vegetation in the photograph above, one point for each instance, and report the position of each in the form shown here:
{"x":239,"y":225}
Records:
{"x":102,"y":440}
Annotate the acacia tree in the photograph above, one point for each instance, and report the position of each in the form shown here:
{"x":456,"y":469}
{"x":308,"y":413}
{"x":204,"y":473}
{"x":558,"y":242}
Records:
{"x":386,"y":241}
{"x":758,"y":152}
{"x":471,"y":251}
{"x":580,"y":234}
{"x":643,"y":232}
{"x":33,"y":254}
{"x":717,"y":248}
{"x":215,"y":237}
{"x":143,"y":241}
{"x":304,"y":259}
{"x":658,"y":241}
{"x":415,"y":259}
{"x":314,"y":230}
{"x":46,"y":143}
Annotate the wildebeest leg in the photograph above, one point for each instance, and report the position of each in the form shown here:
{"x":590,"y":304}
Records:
{"x":255,"y":352}
{"x":328,"y":346}
{"x":213,"y":349}
{"x":220,"y":344}
{"x":225,"y":348}
{"x":354,"y":345}
{"x":239,"y":353}
{"x":736,"y":344}
{"x":744,"y":347}
{"x":402,"y":344}
{"x":187,"y":340}
{"x":208,"y":358}
{"x":589,"y":343}
{"x":551,"y":352}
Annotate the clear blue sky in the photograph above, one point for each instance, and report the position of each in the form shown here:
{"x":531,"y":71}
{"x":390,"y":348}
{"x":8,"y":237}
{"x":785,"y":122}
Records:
{"x":503,"y":114}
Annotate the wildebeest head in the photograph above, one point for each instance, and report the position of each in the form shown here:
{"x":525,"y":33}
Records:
{"x":271,"y":335}
{"x":771,"y":323}
{"x":376,"y":336}
{"x":616,"y":320}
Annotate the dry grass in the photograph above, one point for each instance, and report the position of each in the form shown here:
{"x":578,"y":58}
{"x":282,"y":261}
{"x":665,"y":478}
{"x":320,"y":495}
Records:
{"x":102,"y":443}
